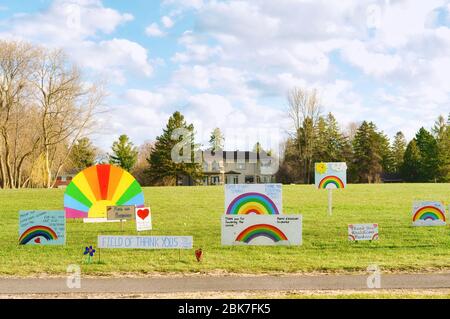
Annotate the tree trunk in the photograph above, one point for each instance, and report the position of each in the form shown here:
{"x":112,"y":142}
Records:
{"x":48,"y":168}
{"x":2,"y":174}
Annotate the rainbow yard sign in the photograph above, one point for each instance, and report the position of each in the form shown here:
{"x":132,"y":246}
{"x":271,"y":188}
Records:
{"x":331,"y":175}
{"x":97,"y":187}
{"x":267,"y":230}
{"x":42,"y":227}
{"x":253,"y":199}
{"x":428,"y":213}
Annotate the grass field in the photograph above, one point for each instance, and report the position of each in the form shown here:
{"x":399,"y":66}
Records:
{"x":197,"y":210}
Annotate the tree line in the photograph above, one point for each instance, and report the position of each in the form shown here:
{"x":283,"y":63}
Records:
{"x":47,"y":113}
{"x":370,"y":155}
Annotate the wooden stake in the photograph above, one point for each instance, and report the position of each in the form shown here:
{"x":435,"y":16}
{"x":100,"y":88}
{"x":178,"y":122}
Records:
{"x":121,"y":225}
{"x":330,"y":202}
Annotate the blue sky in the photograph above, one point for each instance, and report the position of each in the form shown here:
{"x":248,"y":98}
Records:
{"x":230,"y":64}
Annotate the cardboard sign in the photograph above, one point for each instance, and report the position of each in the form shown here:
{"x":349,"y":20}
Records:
{"x":259,"y":199}
{"x":99,"y":220}
{"x":330,"y":175}
{"x":96,"y":187}
{"x":145,"y":242}
{"x":143,"y":219}
{"x":120,"y":212}
{"x":357,"y":232}
{"x":39,"y":227}
{"x":262,"y":230}
{"x":429,"y":213}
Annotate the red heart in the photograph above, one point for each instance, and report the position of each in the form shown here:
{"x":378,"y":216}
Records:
{"x":37,"y":240}
{"x":143,"y":213}
{"x":198,"y":254}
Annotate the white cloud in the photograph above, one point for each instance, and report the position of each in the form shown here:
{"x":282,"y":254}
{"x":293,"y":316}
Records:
{"x":370,"y":62}
{"x":76,"y":26}
{"x":153,"y":30}
{"x":167,"y":22}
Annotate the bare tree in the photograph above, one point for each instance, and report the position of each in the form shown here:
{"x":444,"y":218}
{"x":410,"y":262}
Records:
{"x":67,"y":108}
{"x":304,"y":111}
{"x":19,"y":141}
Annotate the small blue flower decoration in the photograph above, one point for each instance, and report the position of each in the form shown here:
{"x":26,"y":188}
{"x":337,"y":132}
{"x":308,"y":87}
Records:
{"x":89,"y":251}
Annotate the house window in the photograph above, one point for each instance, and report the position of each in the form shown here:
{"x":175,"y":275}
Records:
{"x":235,"y":179}
{"x":249,"y":179}
{"x":215,"y":180}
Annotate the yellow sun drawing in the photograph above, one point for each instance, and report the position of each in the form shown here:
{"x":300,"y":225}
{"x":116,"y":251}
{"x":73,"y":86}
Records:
{"x":321,"y":168}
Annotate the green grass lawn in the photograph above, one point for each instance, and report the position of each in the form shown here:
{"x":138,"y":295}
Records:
{"x":197,"y":211}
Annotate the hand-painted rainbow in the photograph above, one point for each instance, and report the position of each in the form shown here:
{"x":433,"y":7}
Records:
{"x":430,"y":213}
{"x":37,"y":231}
{"x":269,"y":231}
{"x":252,"y":203}
{"x":97,"y":187}
{"x":331,"y":182}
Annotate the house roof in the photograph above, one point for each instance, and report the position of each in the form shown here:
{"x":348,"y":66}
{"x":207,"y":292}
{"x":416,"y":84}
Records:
{"x":234,"y":156}
{"x":232,"y":173}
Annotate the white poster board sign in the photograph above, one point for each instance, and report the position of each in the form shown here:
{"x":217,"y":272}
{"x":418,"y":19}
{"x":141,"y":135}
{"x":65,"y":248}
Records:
{"x":143,"y":219}
{"x":429,"y":213}
{"x":330,"y":175}
{"x":99,"y":220}
{"x":257,"y":199}
{"x":358,"y":232}
{"x":145,"y":242}
{"x":263,"y":230}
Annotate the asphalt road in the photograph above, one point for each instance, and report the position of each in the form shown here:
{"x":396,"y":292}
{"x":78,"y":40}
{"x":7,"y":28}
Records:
{"x":221,"y":283}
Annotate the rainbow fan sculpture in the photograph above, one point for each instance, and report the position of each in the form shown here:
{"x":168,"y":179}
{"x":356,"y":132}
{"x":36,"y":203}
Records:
{"x":97,"y":187}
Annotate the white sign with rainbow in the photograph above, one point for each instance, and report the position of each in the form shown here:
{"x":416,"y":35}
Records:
{"x":330,"y":175}
{"x":429,"y":213}
{"x":255,"y":230}
{"x":253,"y":199}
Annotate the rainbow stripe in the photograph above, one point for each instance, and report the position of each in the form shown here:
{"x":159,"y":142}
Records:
{"x":331,"y":182}
{"x":97,"y":187}
{"x":252,"y":203}
{"x":429,"y":213}
{"x":264,"y":230}
{"x":37,"y":231}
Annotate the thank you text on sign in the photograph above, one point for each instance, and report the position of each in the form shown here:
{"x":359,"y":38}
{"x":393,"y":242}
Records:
{"x":145,"y":242}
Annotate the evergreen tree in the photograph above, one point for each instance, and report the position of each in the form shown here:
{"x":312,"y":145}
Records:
{"x":166,"y":170}
{"x":385,"y":150}
{"x":411,"y":163}
{"x":428,"y":148}
{"x":398,"y":151}
{"x":369,"y":148}
{"x":336,"y":143}
{"x":124,"y":153}
{"x":441,"y":132}
{"x":321,"y":150}
{"x":83,"y":154}
{"x":216,"y":141}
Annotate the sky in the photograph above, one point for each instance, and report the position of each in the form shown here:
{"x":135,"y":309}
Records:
{"x":230,"y":64}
